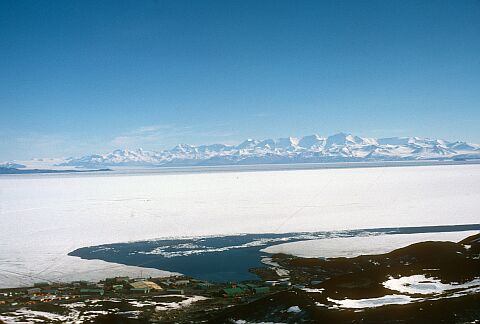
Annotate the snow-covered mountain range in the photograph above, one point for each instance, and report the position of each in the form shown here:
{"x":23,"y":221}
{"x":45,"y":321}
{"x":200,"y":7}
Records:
{"x":313,"y":148}
{"x":308,"y":149}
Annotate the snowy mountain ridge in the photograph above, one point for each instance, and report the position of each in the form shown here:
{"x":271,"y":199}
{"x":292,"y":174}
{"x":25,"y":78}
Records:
{"x":340,"y":147}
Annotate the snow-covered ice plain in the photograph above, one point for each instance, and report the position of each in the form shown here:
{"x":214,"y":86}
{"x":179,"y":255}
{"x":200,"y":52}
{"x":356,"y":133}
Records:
{"x":44,"y":217}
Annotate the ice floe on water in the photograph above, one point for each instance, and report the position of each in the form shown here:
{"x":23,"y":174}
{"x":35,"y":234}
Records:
{"x":186,"y":249}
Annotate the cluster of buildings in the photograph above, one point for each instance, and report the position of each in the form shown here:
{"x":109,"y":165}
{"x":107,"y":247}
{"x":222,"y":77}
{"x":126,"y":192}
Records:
{"x":45,"y":292}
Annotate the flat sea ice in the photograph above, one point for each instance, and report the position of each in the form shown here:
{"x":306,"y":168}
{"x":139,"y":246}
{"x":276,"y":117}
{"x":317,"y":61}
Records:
{"x":43,"y":217}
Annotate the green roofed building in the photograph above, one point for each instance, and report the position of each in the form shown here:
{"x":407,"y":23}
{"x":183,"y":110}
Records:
{"x":241,"y":286}
{"x":117,"y":287}
{"x":204,"y":285}
{"x":261,"y":290}
{"x":91,"y":291}
{"x":231,"y":292}
{"x":140,"y":290}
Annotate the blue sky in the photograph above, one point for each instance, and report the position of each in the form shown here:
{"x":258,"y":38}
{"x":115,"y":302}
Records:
{"x":90,"y":76}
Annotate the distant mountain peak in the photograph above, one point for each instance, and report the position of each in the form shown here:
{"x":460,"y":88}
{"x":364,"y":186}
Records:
{"x":343,"y":139}
{"x":248,"y":143}
{"x":340,"y":147}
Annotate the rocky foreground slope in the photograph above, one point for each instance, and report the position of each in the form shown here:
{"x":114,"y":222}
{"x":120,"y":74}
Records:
{"x":428,"y":282}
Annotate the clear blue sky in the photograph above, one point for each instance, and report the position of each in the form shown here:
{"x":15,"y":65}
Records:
{"x":89,"y":76}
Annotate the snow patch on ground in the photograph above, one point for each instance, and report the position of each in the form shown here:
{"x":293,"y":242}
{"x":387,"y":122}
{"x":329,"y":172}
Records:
{"x":294,"y":309}
{"x":420,"y":284}
{"x":175,"y":305}
{"x":25,"y":315}
{"x":313,"y":290}
{"x":281,"y":272}
{"x":373,"y":302}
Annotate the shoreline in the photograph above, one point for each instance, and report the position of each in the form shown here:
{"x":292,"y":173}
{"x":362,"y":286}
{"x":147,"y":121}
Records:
{"x":265,"y":167}
{"x":84,"y":211}
{"x":229,"y":257}
{"x":426,"y":280}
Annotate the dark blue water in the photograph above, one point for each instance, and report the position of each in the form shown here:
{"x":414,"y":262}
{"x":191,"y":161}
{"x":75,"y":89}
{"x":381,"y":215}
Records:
{"x":224,"y":258}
